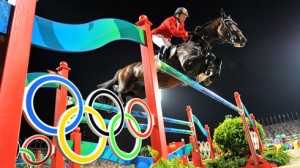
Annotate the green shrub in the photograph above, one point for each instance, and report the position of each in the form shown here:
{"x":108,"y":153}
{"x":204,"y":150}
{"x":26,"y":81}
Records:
{"x":227,"y":162}
{"x":148,"y":151}
{"x":145,"y":152}
{"x":278,"y":155}
{"x":230,"y":136}
{"x":175,"y":162}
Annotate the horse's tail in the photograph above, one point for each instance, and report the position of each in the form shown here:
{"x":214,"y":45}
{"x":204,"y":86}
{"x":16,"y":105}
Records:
{"x":110,"y":83}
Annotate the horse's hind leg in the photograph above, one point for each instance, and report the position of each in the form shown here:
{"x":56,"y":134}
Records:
{"x":125,"y":81}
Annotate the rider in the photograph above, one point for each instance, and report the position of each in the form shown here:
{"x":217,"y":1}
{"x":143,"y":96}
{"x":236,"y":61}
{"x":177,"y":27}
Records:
{"x":172,"y":26}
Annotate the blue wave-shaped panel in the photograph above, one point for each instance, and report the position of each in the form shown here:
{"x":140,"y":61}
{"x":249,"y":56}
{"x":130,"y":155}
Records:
{"x":89,"y":36}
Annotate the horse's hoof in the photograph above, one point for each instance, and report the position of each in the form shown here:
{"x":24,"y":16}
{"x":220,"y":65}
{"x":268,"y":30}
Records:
{"x":207,"y":82}
{"x":115,"y":87}
{"x":201,"y":77}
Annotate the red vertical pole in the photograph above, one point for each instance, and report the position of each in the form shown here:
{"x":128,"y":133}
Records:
{"x":158,"y":136}
{"x":39,"y":157}
{"x":246,"y":128}
{"x":196,"y":155}
{"x":212,"y":154}
{"x":261,"y":148}
{"x":12,"y":81}
{"x":76,"y":137}
{"x":57,"y":160}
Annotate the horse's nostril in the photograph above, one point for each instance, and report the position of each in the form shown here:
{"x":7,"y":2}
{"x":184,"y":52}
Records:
{"x":243,"y":40}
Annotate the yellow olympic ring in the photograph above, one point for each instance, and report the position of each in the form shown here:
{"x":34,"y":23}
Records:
{"x":62,"y":123}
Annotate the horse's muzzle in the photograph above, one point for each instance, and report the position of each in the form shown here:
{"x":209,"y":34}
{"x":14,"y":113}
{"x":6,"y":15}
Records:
{"x":240,"y":42}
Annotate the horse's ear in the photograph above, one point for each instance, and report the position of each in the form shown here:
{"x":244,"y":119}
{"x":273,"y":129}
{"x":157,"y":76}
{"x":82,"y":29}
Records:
{"x":223,"y":15}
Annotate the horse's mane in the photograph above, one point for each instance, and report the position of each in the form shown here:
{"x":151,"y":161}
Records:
{"x":207,"y":23}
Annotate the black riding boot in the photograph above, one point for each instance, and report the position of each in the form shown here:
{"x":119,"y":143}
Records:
{"x":210,"y":63}
{"x":162,"y":55}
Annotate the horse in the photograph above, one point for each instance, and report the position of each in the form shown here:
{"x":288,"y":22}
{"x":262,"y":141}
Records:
{"x":189,"y":58}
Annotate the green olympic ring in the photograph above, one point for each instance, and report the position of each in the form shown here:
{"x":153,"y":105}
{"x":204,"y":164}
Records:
{"x":112,"y":141}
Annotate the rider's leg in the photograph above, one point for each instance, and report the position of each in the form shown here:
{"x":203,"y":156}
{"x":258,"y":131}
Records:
{"x":210,"y":63}
{"x":164,"y":45}
{"x":163,"y":53}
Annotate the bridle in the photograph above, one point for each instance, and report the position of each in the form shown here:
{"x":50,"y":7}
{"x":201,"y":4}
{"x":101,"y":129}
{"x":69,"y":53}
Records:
{"x":231,"y":36}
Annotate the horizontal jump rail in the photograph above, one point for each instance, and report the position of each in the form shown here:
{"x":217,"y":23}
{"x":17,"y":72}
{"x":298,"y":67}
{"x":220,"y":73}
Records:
{"x":188,"y":81}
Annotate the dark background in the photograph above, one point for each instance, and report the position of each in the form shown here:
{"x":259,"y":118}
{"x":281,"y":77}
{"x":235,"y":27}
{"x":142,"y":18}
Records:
{"x":264,"y":72}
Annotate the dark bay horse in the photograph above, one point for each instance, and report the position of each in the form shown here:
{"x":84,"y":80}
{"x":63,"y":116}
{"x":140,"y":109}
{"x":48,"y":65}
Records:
{"x":189,"y":58}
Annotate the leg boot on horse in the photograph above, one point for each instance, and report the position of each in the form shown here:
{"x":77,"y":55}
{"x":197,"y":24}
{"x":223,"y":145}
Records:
{"x":210,"y":63}
{"x":216,"y":74}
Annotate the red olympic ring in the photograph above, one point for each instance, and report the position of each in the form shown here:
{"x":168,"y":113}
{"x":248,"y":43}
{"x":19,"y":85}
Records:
{"x":49,"y":153}
{"x":132,"y":129}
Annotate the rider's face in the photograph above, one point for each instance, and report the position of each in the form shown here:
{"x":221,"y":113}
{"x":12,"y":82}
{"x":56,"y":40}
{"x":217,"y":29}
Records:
{"x":181,"y":18}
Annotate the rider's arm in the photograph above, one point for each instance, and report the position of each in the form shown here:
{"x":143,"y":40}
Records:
{"x":171,"y":24}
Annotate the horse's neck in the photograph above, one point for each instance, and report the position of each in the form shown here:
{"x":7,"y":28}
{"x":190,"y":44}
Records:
{"x":209,"y":36}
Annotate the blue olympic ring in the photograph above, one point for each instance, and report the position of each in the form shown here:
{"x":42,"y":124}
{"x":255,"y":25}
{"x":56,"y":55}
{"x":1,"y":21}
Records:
{"x":30,"y":113}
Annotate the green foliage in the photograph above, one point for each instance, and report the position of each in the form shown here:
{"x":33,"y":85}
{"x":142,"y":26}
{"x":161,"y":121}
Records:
{"x":145,"y":152}
{"x":162,"y":162}
{"x":227,"y":162}
{"x":131,"y":166}
{"x":153,"y":153}
{"x":230,"y":135}
{"x":278,"y":155}
{"x":148,"y":151}
{"x":175,"y":162}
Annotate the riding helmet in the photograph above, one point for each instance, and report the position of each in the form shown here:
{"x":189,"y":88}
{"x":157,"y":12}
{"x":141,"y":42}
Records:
{"x":182,"y":10}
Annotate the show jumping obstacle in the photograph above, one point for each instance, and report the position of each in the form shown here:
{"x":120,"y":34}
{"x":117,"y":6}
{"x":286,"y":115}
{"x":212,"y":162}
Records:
{"x":256,"y":159}
{"x":14,"y":76}
{"x":76,"y":135}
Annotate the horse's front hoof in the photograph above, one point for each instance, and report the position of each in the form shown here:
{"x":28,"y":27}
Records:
{"x":201,"y":77}
{"x":115,"y":88}
{"x":207,"y":82}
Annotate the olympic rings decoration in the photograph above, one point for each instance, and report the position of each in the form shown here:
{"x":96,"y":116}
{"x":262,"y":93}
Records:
{"x":89,"y":102}
{"x":112,"y":141}
{"x":30,"y":113}
{"x":150,"y":119}
{"x":29,"y":154}
{"x":63,"y":142}
{"x":94,"y":121}
{"x":25,"y":152}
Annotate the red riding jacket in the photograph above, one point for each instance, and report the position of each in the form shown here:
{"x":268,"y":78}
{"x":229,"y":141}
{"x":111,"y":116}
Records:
{"x":169,"y":28}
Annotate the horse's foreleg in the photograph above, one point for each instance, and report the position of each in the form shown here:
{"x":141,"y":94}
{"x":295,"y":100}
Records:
{"x":191,"y":62}
{"x":216,"y":74}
